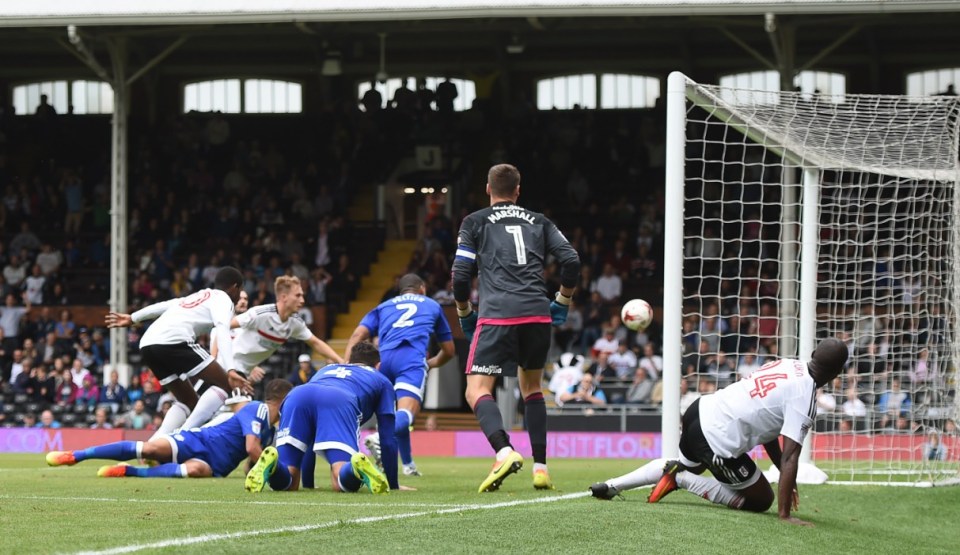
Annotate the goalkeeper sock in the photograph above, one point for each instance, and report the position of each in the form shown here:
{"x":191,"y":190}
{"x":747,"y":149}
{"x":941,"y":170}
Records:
{"x":209,"y":403}
{"x":710,"y":489}
{"x":646,"y":475}
{"x":169,"y":470}
{"x":119,"y":451}
{"x":402,"y":431}
{"x":491,"y":422}
{"x":535,"y":409}
{"x":347,"y":480}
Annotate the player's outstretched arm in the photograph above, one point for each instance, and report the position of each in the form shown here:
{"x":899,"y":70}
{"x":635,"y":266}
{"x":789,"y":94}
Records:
{"x":254,"y":448}
{"x":118,"y":320}
{"x":787,"y":497}
{"x":773,"y":451}
{"x":324,"y":349}
{"x":361,"y":333}
{"x":447,"y":350}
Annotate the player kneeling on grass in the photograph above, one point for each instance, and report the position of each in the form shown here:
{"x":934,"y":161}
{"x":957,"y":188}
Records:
{"x":197,"y":453}
{"x":720,"y":429}
{"x":324,"y":416}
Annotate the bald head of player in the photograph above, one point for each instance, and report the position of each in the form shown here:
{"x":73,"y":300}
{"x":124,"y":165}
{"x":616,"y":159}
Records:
{"x":503,"y":183}
{"x":827,"y":361}
{"x":411,"y":283}
{"x":230,"y":281}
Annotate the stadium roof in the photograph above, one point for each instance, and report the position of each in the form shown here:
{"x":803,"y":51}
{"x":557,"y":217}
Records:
{"x":41,"y":13}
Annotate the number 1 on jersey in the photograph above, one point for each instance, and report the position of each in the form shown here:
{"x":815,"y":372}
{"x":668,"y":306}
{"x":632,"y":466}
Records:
{"x":517,"y":233}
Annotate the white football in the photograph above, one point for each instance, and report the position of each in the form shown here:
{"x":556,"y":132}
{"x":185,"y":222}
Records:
{"x":636,"y":314}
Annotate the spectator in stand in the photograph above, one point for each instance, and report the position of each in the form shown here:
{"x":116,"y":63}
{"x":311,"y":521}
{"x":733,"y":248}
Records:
{"x":584,"y":393}
{"x":26,"y":240}
{"x":137,"y":418}
{"x":47,"y":420}
{"x":14,"y":272}
{"x":72,"y":188}
{"x":88,"y":394}
{"x":624,"y":362}
{"x":304,"y":372}
{"x":49,"y":260}
{"x":65,"y":330}
{"x":101,"y":421}
{"x":135,"y":390}
{"x":113,"y":396}
{"x":609,"y":285}
{"x":151,"y":397}
{"x":641,"y":388}
{"x":67,"y":391}
{"x":11,"y":316}
{"x":893,"y":405}
{"x":748,"y":365}
{"x":607,"y":343}
{"x":854,"y":411}
{"x":317,"y":286}
{"x":651,"y":362}
{"x":43,"y":385}
{"x":78,"y":372}
{"x":100,"y":347}
{"x":34,"y":285}
{"x":600,"y":369}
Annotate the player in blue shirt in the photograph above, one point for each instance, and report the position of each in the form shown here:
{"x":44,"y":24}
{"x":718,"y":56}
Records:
{"x":405,"y":325}
{"x":324,"y":416}
{"x":197,"y":453}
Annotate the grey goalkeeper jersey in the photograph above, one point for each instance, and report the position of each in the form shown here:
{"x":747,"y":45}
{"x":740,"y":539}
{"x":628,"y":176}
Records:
{"x":508,"y":245}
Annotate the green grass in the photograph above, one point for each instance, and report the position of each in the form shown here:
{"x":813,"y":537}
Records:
{"x":64,"y":510}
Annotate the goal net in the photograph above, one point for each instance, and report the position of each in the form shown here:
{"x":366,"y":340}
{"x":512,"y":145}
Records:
{"x":792,"y":217}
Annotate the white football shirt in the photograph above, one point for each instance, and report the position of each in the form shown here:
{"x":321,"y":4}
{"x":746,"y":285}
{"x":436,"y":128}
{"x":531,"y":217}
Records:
{"x":261,"y":333}
{"x":779,"y":399}
{"x":181,"y":320}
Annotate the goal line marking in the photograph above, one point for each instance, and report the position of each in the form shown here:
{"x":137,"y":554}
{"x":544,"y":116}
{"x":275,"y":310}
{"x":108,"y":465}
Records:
{"x":207,"y":538}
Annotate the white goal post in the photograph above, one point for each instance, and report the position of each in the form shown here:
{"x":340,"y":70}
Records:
{"x":791,"y":217}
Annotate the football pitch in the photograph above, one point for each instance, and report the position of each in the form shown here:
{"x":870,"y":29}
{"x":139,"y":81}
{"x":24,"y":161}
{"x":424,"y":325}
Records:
{"x":70,"y":510}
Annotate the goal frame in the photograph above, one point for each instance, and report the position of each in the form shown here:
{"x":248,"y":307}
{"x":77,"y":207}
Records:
{"x":797,"y":335}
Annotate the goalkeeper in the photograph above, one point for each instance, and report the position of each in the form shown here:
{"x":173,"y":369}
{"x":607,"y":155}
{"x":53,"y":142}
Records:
{"x":720,"y":429}
{"x":509,"y":246}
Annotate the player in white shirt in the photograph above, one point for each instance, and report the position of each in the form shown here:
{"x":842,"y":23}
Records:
{"x":169,"y":346}
{"x":258,"y":333}
{"x":720,"y":429}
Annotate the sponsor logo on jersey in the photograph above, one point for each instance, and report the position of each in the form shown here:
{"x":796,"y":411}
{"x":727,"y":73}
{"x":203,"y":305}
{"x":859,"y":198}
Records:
{"x":283,"y":432}
{"x":489,"y":370}
{"x":255,"y":428}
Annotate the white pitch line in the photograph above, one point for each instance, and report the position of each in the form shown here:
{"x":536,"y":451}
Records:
{"x":206,"y":538}
{"x":221,"y":502}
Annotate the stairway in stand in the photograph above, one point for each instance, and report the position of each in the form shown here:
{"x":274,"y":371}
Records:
{"x":391,"y":261}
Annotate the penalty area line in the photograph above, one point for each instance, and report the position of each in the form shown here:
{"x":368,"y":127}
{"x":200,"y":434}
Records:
{"x":207,"y":538}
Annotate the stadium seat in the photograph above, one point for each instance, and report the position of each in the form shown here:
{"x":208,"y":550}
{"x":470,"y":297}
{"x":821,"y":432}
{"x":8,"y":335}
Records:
{"x":20,"y":398}
{"x":33,"y":407}
{"x":69,"y":419}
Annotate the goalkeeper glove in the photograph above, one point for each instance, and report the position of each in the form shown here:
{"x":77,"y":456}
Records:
{"x":468,"y":321}
{"x":559,"y":309}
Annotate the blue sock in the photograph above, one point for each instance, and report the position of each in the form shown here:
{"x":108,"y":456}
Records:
{"x":119,"y":451}
{"x":168,"y":470}
{"x":307,"y":469}
{"x":348,"y":480}
{"x":402,"y":430}
{"x":281,"y":479}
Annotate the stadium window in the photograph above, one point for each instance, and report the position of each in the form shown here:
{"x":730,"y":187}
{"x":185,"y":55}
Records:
{"x":86,"y":97}
{"x":466,"y":89}
{"x":936,"y":81}
{"x":612,"y":90}
{"x":832,"y":85}
{"x":249,"y":96}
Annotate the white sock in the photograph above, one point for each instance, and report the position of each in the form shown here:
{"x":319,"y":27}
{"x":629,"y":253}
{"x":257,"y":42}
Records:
{"x":646,"y":475}
{"x":139,"y":450}
{"x":539,"y":466}
{"x":175,"y":417}
{"x":209,"y":403}
{"x":502,"y":454}
{"x":710,"y":489}
{"x":183,"y":471}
